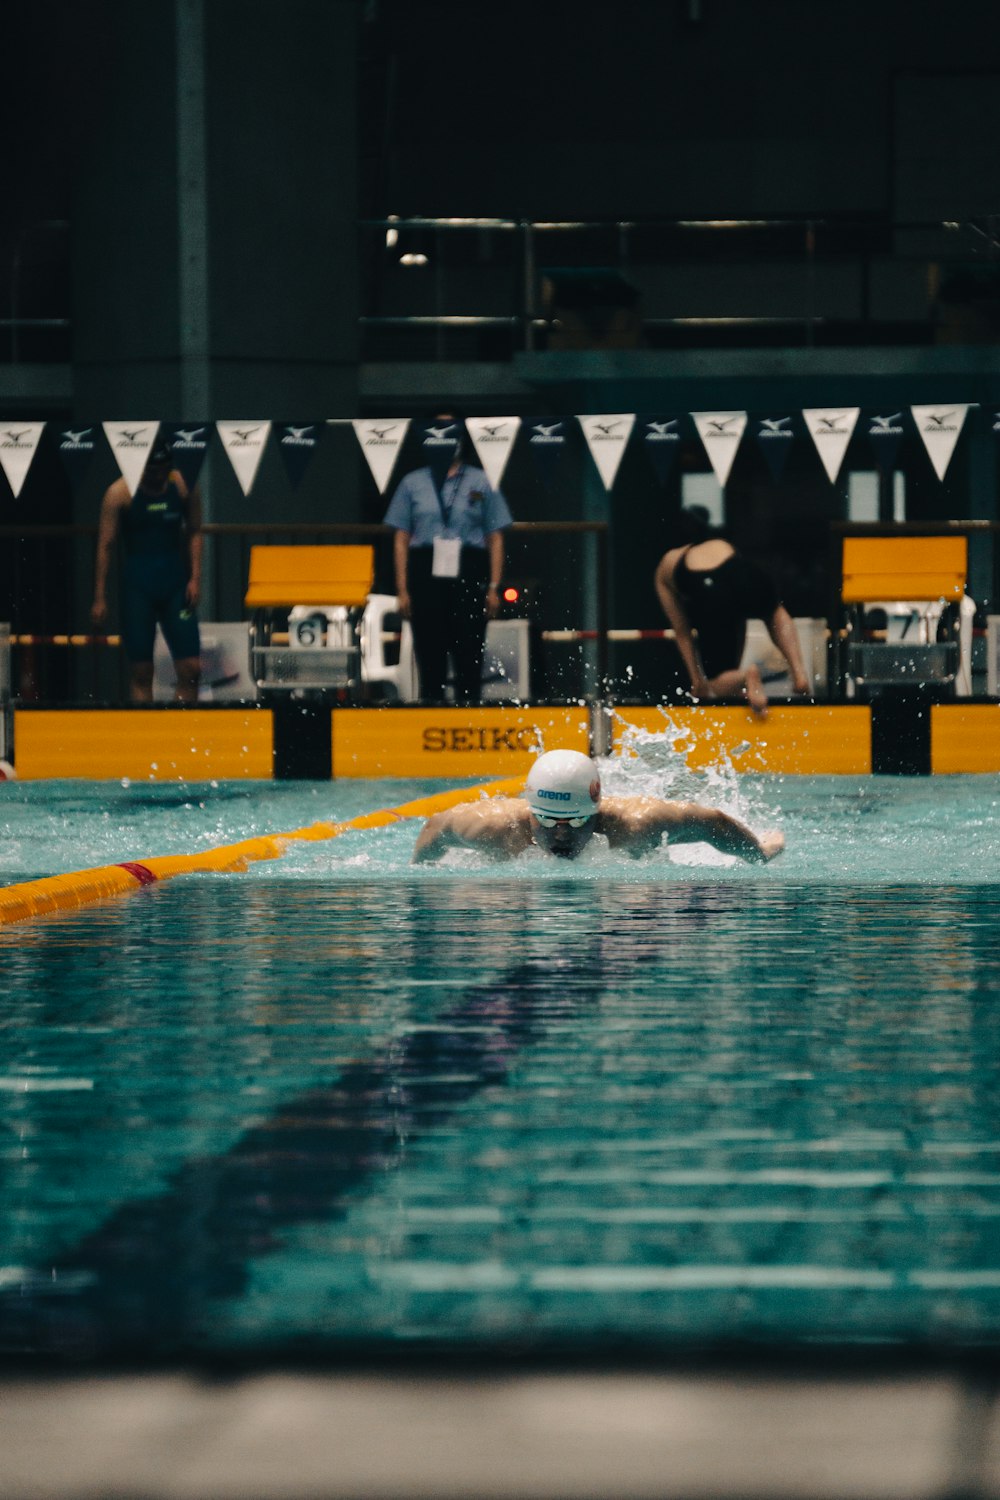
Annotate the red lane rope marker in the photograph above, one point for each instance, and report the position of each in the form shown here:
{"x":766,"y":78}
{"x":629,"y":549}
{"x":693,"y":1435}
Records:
{"x":36,"y":898}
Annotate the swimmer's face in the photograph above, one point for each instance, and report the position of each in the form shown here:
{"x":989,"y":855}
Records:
{"x":157,"y":471}
{"x":559,"y":837}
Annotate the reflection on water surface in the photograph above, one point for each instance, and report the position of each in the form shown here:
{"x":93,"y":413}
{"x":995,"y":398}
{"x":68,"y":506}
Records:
{"x":245,"y":1115}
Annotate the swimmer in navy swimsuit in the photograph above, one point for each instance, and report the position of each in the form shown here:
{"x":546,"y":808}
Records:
{"x":709,"y":588}
{"x":562,"y":809}
{"x":160,"y":527}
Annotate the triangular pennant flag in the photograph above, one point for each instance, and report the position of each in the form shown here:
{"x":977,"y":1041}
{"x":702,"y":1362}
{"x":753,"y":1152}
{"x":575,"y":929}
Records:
{"x":884,"y":434}
{"x":440,"y":445}
{"x":131,"y":443}
{"x":661,"y":442}
{"x":831,"y":429}
{"x":188,"y":443}
{"x":720,"y":432}
{"x":939,"y":426}
{"x":297,"y":445}
{"x":381,"y":439}
{"x":493,"y":439}
{"x":774,"y":437}
{"x":547,"y":442}
{"x":18,"y":442}
{"x":245,"y":443}
{"x":607,"y":437}
{"x":76,"y":449}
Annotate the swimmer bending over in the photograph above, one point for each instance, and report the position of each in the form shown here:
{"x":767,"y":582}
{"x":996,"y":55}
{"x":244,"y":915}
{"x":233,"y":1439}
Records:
{"x":562,"y":809}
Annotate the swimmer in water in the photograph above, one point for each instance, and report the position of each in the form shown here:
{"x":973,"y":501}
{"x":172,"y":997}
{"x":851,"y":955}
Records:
{"x":562,"y":809}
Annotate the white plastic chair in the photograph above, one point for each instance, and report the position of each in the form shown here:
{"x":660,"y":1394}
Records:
{"x":401,"y":675}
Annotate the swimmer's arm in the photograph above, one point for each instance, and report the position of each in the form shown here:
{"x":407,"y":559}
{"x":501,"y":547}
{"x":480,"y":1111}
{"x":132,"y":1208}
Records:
{"x":435,"y":838}
{"x":688,"y":823}
{"x":115,"y":498}
{"x":194,"y":535}
{"x":489,"y":829}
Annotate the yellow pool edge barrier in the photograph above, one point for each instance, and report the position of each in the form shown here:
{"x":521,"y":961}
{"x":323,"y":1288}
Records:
{"x":39,"y":898}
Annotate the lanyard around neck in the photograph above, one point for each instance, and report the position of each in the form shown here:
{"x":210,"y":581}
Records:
{"x":439,"y":494}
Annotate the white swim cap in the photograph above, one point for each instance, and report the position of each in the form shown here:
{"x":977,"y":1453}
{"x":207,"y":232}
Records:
{"x":563,"y":784}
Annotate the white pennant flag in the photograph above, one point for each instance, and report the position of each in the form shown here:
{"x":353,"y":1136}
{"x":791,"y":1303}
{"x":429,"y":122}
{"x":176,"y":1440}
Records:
{"x":493,"y":439}
{"x":18,"y":442}
{"x":245,"y":443}
{"x":606,"y":438}
{"x":380,"y":442}
{"x":939,"y":427}
{"x":721,"y":433}
{"x":131,"y":443}
{"x":831,"y":429}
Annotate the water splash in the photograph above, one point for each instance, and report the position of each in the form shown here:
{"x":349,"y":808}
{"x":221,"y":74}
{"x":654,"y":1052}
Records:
{"x":655,"y":763}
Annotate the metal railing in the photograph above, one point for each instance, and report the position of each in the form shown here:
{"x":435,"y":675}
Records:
{"x":444,"y":285}
{"x":424,"y":272}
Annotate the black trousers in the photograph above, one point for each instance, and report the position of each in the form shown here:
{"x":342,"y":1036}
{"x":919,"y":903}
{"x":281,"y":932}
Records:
{"x":448,"y":617}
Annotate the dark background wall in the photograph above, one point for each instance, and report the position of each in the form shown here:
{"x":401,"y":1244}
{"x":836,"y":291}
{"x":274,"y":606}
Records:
{"x":316,"y":114}
{"x":714,"y":107}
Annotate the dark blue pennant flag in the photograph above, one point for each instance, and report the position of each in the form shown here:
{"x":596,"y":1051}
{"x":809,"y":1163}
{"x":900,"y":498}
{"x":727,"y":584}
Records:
{"x":546,"y":438}
{"x":885,"y":431}
{"x":77,"y":446}
{"x":188,"y":443}
{"x":661,"y":442}
{"x":297,"y":444}
{"x":440,"y":444}
{"x":774,"y":437}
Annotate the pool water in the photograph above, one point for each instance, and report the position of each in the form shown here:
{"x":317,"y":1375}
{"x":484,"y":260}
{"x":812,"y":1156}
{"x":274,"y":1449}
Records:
{"x":342,"y":1103}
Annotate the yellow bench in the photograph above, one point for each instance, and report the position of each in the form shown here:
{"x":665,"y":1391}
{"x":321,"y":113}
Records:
{"x":904,"y":567}
{"x":284,"y":578}
{"x":914,"y":570}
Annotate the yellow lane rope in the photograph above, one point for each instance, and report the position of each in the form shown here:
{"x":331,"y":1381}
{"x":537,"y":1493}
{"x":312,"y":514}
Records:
{"x":37,"y":898}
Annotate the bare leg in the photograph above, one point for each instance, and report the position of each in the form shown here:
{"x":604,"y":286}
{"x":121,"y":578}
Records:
{"x":188,"y":677}
{"x":747,"y":681}
{"x":754,"y":689}
{"x":140,"y":682}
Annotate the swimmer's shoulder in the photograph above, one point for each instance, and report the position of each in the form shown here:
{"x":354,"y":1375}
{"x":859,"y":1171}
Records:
{"x":117,"y":496}
{"x":501,"y":809}
{"x":669,"y":561}
{"x":711,"y":553}
{"x":636,"y":822}
{"x":631,"y":809}
{"x":500,"y":823}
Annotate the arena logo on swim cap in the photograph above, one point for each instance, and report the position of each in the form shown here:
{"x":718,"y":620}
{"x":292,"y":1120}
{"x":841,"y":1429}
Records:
{"x":554,"y":796}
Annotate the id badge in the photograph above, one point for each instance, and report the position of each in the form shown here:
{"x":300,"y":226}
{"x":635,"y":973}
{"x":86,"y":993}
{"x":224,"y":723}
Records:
{"x":447,"y":556}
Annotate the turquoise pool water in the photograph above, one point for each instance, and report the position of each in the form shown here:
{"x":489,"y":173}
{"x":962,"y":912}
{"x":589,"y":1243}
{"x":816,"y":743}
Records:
{"x":342,"y":1103}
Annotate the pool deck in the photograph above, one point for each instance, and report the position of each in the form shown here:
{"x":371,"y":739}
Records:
{"x":931,"y":1435}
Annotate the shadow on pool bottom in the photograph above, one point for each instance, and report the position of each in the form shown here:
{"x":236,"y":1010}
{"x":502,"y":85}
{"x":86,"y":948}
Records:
{"x":173,"y":1277}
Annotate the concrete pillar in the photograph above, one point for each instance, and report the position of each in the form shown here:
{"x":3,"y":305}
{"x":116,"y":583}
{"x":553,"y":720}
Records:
{"x":215,"y":256}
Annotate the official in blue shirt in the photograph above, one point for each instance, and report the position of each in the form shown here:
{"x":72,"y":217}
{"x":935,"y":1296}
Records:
{"x":449,"y":556}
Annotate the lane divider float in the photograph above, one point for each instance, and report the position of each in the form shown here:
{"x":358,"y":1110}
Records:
{"x":38,"y":898}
